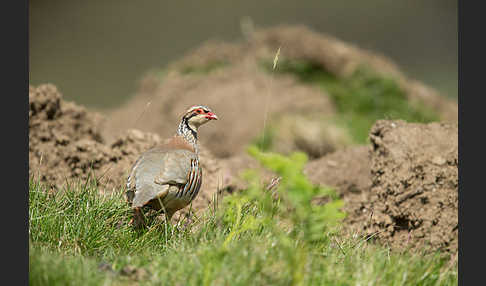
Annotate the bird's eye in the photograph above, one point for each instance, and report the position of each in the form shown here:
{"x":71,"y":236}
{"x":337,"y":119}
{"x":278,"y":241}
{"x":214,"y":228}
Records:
{"x":199,"y":111}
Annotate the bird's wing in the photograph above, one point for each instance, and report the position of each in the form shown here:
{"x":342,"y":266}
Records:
{"x":176,"y":167}
{"x":156,"y":170}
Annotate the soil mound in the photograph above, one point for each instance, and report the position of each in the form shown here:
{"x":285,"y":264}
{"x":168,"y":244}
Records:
{"x":403,"y":188}
{"x":337,"y":57}
{"x":229,"y":78}
{"x":414,"y":171}
{"x":59,"y":133}
{"x":240,"y":96}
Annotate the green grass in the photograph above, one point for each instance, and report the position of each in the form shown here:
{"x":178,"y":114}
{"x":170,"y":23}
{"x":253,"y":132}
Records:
{"x":56,"y":268}
{"x":361,"y":98}
{"x":250,"y":238}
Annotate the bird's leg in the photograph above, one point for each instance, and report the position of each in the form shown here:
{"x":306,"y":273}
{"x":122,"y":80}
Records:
{"x":138,"y":220}
{"x":167,"y":214}
{"x":188,"y":219}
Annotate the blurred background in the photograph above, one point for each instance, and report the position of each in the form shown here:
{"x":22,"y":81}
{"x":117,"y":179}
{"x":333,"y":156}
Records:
{"x":96,"y":51}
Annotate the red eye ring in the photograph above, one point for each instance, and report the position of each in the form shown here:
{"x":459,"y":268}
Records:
{"x":199,"y":111}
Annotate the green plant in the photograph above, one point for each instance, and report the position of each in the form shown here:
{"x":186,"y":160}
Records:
{"x":297,"y":192}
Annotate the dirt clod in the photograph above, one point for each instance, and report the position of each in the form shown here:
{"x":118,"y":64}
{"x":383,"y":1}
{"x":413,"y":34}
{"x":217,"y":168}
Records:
{"x":414,"y":170}
{"x":61,"y":136}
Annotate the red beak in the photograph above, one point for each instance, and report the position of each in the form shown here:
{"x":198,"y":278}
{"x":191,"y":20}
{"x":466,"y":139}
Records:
{"x":211,"y":115}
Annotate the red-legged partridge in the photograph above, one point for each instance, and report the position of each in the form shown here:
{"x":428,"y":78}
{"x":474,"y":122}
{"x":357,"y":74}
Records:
{"x":168,"y":177}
